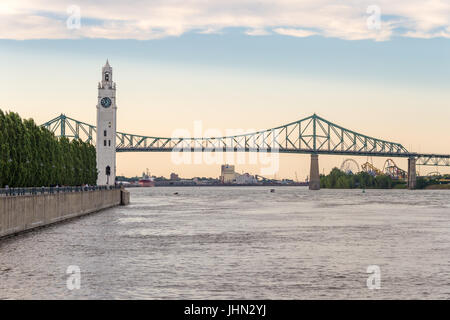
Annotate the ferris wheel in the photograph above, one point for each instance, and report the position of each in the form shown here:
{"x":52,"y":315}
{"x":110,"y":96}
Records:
{"x":350,"y":166}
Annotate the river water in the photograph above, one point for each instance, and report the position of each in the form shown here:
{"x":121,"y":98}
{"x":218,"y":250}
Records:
{"x":241,"y":243}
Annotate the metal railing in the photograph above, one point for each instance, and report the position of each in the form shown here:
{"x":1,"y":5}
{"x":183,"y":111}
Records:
{"x":52,"y":190}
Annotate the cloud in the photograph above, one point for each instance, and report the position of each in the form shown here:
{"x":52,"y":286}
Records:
{"x":139,"y":19}
{"x":294,"y":32}
{"x":429,"y":35}
{"x":257,"y":32}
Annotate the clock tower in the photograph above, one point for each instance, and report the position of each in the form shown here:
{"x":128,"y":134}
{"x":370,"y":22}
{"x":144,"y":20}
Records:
{"x":106,"y":128}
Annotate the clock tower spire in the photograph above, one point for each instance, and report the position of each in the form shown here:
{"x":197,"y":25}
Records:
{"x":106,"y":128}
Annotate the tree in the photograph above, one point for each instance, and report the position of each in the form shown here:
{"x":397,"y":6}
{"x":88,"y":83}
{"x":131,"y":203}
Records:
{"x":31,"y":155}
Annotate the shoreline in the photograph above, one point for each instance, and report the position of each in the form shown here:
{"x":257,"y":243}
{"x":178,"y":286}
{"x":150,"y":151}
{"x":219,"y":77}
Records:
{"x":221,"y":185}
{"x":438,"y":187}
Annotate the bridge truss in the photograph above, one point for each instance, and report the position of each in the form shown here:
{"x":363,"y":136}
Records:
{"x":312,"y":134}
{"x":433,"y":160}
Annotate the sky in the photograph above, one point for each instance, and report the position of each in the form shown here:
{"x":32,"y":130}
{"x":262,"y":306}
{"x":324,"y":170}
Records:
{"x":375,"y":67}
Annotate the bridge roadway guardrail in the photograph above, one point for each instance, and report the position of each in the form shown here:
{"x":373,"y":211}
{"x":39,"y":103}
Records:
{"x":7,"y":192}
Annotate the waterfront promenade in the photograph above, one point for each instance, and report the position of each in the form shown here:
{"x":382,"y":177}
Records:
{"x":23,"y":209}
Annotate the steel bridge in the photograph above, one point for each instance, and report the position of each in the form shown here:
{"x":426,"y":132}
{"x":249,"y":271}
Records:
{"x":311,"y":135}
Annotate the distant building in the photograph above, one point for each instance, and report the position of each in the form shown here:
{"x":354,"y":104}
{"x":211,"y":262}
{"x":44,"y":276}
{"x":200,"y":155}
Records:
{"x":206,"y":181}
{"x":123,"y":183}
{"x":179,"y":182}
{"x":227,"y":174}
{"x":245,"y":178}
{"x":174,"y":176}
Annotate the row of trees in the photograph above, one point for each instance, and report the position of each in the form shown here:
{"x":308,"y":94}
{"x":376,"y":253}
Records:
{"x":423,"y":182}
{"x":339,"y":179}
{"x":32,"y":156}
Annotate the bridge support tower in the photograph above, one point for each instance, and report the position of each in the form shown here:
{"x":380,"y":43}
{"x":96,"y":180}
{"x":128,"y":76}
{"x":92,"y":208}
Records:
{"x":314,"y":178}
{"x":412,"y":173}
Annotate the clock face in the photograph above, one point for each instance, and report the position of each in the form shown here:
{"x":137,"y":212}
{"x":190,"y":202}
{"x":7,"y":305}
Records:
{"x":106,"y":102}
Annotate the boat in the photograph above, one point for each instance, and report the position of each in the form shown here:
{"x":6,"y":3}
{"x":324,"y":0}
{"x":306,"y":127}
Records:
{"x":146,"y":180}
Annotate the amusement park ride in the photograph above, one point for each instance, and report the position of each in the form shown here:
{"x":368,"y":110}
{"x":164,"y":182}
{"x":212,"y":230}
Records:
{"x":389,"y":168}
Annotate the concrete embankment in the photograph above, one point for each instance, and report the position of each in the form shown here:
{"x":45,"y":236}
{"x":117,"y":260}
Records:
{"x":25,"y":212}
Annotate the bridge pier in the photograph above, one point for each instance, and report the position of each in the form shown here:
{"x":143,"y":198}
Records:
{"x":412,"y":173}
{"x":314,"y":178}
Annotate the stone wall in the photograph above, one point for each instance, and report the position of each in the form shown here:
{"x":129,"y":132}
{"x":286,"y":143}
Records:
{"x":25,"y":212}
